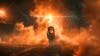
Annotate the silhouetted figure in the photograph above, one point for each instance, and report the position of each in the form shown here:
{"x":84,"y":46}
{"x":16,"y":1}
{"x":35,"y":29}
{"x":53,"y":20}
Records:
{"x":51,"y":34}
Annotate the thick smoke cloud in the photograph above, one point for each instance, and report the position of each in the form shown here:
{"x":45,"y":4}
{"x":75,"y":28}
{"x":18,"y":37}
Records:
{"x":85,"y":35}
{"x":19,"y":10}
{"x":91,"y":11}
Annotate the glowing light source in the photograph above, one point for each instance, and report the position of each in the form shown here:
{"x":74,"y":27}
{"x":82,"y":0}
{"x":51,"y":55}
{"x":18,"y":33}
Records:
{"x":2,"y":13}
{"x":49,"y":17}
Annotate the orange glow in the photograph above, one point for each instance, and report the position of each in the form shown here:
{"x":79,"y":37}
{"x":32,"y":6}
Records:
{"x":2,"y":13}
{"x":49,"y":17}
{"x":45,"y":18}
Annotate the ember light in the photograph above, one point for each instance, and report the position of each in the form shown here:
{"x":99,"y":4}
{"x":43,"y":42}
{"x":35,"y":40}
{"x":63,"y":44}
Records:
{"x":2,"y":13}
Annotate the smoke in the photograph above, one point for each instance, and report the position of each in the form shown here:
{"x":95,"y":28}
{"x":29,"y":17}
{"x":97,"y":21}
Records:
{"x":48,"y":13}
{"x":92,"y":46}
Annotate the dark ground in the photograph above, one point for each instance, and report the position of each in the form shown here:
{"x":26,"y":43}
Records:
{"x":26,"y":50}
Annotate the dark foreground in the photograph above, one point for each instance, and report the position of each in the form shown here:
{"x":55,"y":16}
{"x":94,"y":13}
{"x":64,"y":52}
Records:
{"x":26,"y":50}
